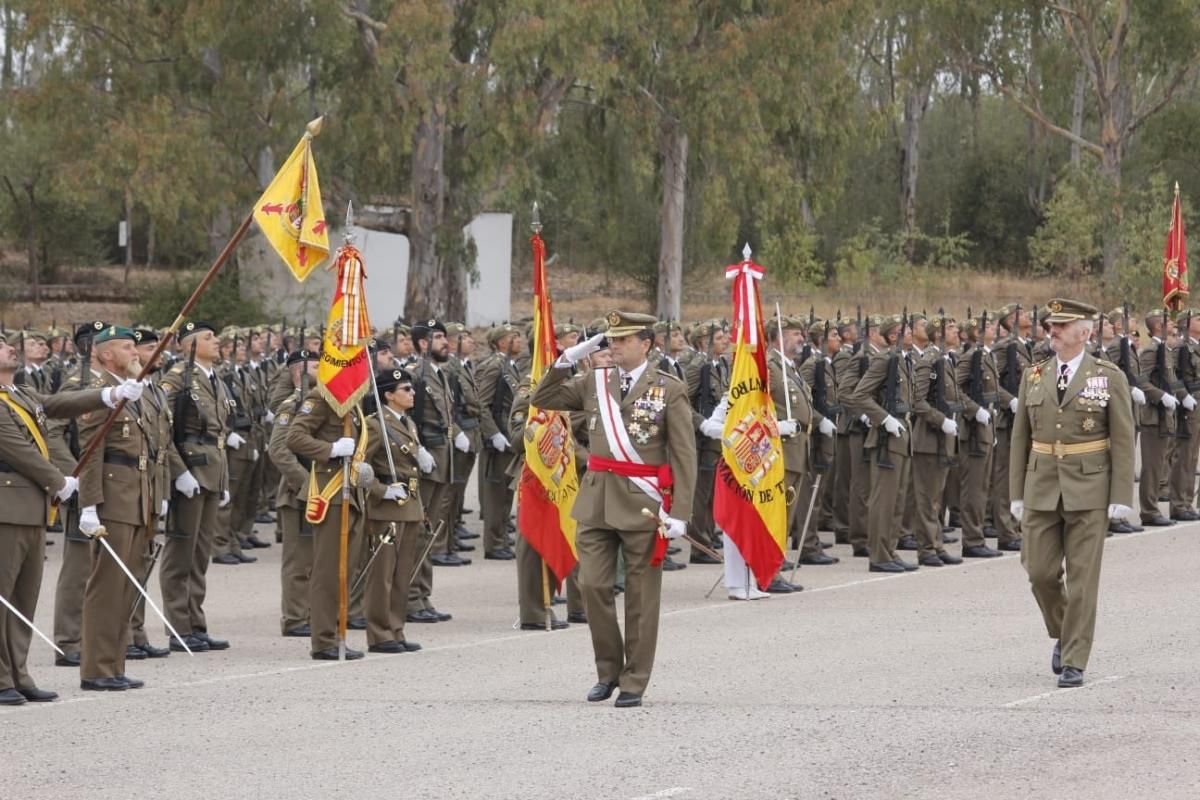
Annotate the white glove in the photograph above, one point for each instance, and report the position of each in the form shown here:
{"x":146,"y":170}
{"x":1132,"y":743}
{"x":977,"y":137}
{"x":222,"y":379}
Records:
{"x":342,"y":448}
{"x":1169,"y":402}
{"x":224,"y":499}
{"x":1017,"y":509}
{"x":89,"y":521}
{"x":364,"y":474}
{"x":269,"y":417}
{"x":499,"y":442}
{"x":983,"y":416}
{"x":675,"y":527}
{"x":865,"y":420}
{"x":1189,"y":402}
{"x":949,"y":427}
{"x":893,"y":425}
{"x":1118,"y":511}
{"x":577,"y":353}
{"x":128,"y":390}
{"x":163,"y":508}
{"x":1138,"y":395}
{"x":425,"y":460}
{"x":1012,"y":405}
{"x":70,"y":486}
{"x":462,"y":443}
{"x":396,"y":491}
{"x":713,"y":429}
{"x":827,"y":427}
{"x":787,"y":427}
{"x":187,"y":484}
{"x":254,"y":454}
{"x":234,"y":440}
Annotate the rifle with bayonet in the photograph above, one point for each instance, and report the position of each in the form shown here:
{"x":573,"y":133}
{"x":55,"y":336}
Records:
{"x":1125,"y":352}
{"x":1186,"y":373}
{"x":1158,"y":375}
{"x":807,"y":351}
{"x":891,"y":395}
{"x":975,"y":390}
{"x":704,"y":403}
{"x":820,"y":395}
{"x":937,"y":395}
{"x":1011,"y":379}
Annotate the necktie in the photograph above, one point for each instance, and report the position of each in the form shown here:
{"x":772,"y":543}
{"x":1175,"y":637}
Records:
{"x":626,"y":384}
{"x":1063,"y":380}
{"x":212,"y":379}
{"x":678,"y":370}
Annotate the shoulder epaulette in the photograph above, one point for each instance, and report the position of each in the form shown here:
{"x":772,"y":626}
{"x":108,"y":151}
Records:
{"x":671,"y":375}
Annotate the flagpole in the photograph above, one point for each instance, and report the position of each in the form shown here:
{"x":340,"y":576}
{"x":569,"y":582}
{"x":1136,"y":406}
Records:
{"x":546,"y":602}
{"x":344,"y":544}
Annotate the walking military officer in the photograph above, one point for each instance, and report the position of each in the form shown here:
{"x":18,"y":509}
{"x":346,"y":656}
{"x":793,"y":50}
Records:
{"x":1072,"y":470}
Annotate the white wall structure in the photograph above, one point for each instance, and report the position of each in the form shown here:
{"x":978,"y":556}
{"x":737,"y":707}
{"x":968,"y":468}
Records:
{"x":386,"y":258}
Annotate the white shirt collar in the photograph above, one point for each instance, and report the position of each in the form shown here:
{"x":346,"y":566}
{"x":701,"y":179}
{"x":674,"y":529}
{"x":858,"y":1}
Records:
{"x":399,"y":416}
{"x":634,"y":374}
{"x":1072,"y":365}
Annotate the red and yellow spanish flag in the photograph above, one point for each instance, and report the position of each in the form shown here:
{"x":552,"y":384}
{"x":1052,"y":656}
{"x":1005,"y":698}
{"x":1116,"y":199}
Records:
{"x":549,"y":483}
{"x":344,"y":371}
{"x":749,"y":500}
{"x":1175,"y":280}
{"x":290,"y":214}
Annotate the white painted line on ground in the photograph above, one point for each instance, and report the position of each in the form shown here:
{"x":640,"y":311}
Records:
{"x":1061,"y":692}
{"x":674,"y":791}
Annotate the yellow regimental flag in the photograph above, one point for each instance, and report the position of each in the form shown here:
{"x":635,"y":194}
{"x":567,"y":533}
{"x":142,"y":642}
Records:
{"x":290,"y":214}
{"x":344,"y":371}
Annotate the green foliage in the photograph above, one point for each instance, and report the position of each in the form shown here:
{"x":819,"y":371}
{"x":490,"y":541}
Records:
{"x":222,"y":304}
{"x":1068,"y":244}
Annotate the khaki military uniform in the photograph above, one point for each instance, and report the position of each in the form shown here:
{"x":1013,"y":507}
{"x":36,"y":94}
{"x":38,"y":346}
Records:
{"x":976,"y":441}
{"x":1182,"y":478}
{"x":799,"y":472}
{"x":708,"y":382}
{"x":818,"y":375}
{"x":233,"y":526}
{"x":936,"y":398}
{"x":467,"y":413}
{"x":1007,"y":530}
{"x":858,"y":454}
{"x":498,"y":380}
{"x":295,"y":566}
{"x":434,"y":416}
{"x":1158,"y":426}
{"x":841,"y":363}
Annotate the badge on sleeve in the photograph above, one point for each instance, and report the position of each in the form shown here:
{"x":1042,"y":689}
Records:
{"x":307,"y":406}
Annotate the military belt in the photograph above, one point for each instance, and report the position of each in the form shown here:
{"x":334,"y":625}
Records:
{"x":834,"y":409}
{"x":1058,"y":449}
{"x":204,"y":438}
{"x":901,"y":408}
{"x":469,"y":423}
{"x":990,"y":397}
{"x":140,"y":462}
{"x":1176,"y":386}
{"x":955,"y":408}
{"x":413,"y":484}
{"x":5,"y":467}
{"x":1193,"y":386}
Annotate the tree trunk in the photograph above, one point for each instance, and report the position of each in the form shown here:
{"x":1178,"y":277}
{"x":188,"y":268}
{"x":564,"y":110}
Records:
{"x":916,"y":102}
{"x":673,"y":147}
{"x":1077,"y":114}
{"x":150,"y":244}
{"x":31,"y":244}
{"x":128,"y":233}
{"x":1110,"y":168}
{"x":425,"y":294}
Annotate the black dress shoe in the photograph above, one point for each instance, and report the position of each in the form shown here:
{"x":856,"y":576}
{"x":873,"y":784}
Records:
{"x":36,"y":695}
{"x":670,"y":565}
{"x":300,"y":632}
{"x":356,"y":624}
{"x":256,"y":542}
{"x":1157,"y":522}
{"x":577,"y":617}
{"x":979,"y":551}
{"x":907,"y":543}
{"x":886,"y":566}
{"x":391,"y":646}
{"x":461,"y":531}
{"x":448,"y":560}
{"x":862,"y":552}
{"x":468,"y":535}
{"x":245,"y":559}
{"x":989,"y":532}
{"x":410,"y":647}
{"x":907,"y":565}
{"x":134,"y":653}
{"x":779,"y":586}
{"x":69,"y":660}
{"x":1012,"y":546}
{"x":1117,"y":526}
{"x":948,"y":529}
{"x":947,"y":558}
{"x":932,"y":561}
{"x":331,"y":654}
{"x":103,"y":685}
{"x":826,"y":545}
{"x":132,"y":683}
{"x":819,"y":560}
{"x":228,"y":559}
{"x":954,"y":522}
{"x":786,"y":566}
{"x":11,"y":697}
{"x":628,"y":700}
{"x":601,"y":691}
{"x":558,"y":600}
{"x":1133,"y":528}
{"x":213,"y":644}
{"x":1070,"y":678}
{"x":422,"y":615}
{"x":673,"y":550}
{"x":555,"y":625}
{"x":698,"y":557}
{"x":151,"y":651}
{"x":442,"y":616}
{"x":499,"y":554}
{"x":1185,"y":516}
{"x":461,"y":547}
{"x":618,"y":588}
{"x":948,"y":539}
{"x":1056,"y":659}
{"x":263,"y":519}
{"x":196,"y":645}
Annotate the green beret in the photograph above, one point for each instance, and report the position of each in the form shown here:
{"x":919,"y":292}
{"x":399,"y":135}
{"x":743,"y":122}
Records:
{"x":113,"y":333}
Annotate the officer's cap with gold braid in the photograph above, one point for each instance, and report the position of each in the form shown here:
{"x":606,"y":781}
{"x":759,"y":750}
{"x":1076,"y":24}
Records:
{"x":1063,"y":310}
{"x":628,"y":323}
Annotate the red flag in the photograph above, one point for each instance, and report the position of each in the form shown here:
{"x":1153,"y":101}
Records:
{"x":344,"y":371}
{"x":1175,"y":281}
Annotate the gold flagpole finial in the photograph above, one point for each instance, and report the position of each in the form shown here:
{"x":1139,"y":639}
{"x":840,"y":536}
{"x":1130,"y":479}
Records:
{"x":314,"y":128}
{"x":1177,"y":188}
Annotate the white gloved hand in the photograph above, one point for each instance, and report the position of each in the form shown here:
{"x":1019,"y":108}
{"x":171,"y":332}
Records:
{"x":1189,"y":402}
{"x":234,"y":440}
{"x":500,"y":442}
{"x":1169,"y":402}
{"x":674,"y":527}
{"x":269,"y":417}
{"x":69,"y":487}
{"x":1118,"y":511}
{"x":949,"y":427}
{"x":1012,"y":405}
{"x":363,"y":474}
{"x":983,"y":416}
{"x":224,"y":499}
{"x":254,"y":454}
{"x":578,"y":352}
{"x":342,"y":448}
{"x":425,"y":460}
{"x":1017,"y":509}
{"x":396,"y":491}
{"x":865,"y":420}
{"x":893,"y":425}
{"x":787,"y":427}
{"x":89,"y":521}
{"x":163,"y":508}
{"x":827,"y":428}
{"x":186,"y":484}
{"x":713,"y":429}
{"x":1138,"y":395}
{"x":128,"y":390}
{"x":462,"y":443}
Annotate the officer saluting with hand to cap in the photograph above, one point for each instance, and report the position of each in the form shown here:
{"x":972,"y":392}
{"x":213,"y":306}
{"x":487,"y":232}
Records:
{"x":1071,"y":470}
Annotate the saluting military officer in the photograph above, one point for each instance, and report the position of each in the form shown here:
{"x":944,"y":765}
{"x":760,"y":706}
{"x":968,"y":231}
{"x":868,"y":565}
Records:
{"x":643,"y":457}
{"x":498,"y":380}
{"x":1072,"y":470}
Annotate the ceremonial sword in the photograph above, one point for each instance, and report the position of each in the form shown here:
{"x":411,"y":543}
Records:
{"x":99,"y":535}
{"x":158,"y":548}
{"x":31,"y":626}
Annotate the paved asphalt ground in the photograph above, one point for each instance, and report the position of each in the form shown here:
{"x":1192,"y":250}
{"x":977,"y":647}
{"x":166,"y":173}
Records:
{"x":930,"y":685}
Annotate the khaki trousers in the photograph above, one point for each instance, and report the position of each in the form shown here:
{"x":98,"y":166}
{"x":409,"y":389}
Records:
{"x":928,"y":485}
{"x":106,"y":602}
{"x":495,"y":498}
{"x":626,"y":660}
{"x":1156,"y":452}
{"x":22,"y":550}
{"x":68,"y":591}
{"x":886,"y":506}
{"x":1067,"y":597}
{"x":974,"y":472}
{"x":295,"y":567}
{"x":1183,"y":471}
{"x":530,"y":601}
{"x":806,"y":540}
{"x":385,"y":599}
{"x":703,"y":527}
{"x":1007,"y":529}
{"x":435,"y":499}
{"x":324,"y":584}
{"x":185,"y":558}
{"x":141,"y":566}
{"x":840,"y":490}
{"x":860,"y":492}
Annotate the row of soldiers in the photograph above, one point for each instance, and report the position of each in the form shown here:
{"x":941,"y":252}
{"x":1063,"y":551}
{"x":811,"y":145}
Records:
{"x":889,"y":421}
